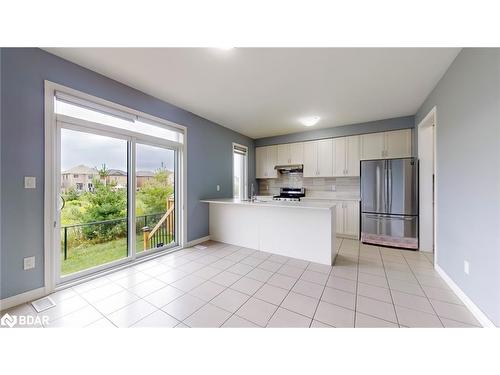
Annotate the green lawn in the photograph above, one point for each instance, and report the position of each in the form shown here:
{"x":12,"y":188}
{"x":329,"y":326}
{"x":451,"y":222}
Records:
{"x":90,"y":255}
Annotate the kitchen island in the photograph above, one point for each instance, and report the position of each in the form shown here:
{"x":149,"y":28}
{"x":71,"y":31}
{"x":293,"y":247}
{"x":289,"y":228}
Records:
{"x":303,"y":230}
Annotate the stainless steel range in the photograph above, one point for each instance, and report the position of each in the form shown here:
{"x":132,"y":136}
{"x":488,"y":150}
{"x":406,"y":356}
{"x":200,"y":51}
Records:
{"x":290,"y":194}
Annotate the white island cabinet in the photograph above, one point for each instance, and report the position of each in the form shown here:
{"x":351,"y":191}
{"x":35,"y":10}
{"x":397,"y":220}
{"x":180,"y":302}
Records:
{"x":302,"y":230}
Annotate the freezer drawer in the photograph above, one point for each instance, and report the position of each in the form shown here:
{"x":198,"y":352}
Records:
{"x":390,"y":230}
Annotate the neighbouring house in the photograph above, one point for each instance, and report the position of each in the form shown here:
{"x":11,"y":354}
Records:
{"x":81,"y":178}
{"x":117,"y":177}
{"x":143,"y":176}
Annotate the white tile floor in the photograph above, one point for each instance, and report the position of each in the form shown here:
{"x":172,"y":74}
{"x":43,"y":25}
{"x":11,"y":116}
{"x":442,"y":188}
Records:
{"x":228,"y":286}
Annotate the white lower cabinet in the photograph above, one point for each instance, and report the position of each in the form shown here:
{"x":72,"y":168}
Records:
{"x":351,"y":223}
{"x":346,"y":217}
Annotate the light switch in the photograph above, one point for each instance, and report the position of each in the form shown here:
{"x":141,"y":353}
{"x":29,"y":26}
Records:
{"x":218,"y":187}
{"x":29,"y":263}
{"x":29,"y":182}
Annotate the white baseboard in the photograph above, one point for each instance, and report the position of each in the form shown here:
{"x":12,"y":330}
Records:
{"x":19,"y":299}
{"x":197,"y":241}
{"x":476,"y":311}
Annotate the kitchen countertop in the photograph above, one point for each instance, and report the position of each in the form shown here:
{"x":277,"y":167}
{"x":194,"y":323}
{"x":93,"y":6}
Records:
{"x":302,"y":204}
{"x":322,"y":198}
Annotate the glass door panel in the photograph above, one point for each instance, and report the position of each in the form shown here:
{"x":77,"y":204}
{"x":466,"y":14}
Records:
{"x":154,"y":197}
{"x":93,"y":191}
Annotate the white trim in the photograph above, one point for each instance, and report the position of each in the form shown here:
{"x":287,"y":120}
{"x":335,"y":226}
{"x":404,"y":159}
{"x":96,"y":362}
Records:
{"x":476,"y":311}
{"x":21,"y":298}
{"x":197,"y":241}
{"x":432,"y":114}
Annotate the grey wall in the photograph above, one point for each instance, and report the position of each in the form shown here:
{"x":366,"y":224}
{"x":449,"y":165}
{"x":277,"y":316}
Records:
{"x":23,"y":71}
{"x":340,"y":131}
{"x":468,"y":174}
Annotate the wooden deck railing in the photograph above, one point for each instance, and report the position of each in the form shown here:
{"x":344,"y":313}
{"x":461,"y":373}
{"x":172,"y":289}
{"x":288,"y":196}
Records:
{"x":164,"y":230}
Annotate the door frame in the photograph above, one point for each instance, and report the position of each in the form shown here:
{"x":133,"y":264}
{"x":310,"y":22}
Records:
{"x":431,"y":116}
{"x":51,"y":179}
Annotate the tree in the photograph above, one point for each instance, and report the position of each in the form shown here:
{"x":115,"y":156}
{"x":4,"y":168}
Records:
{"x":105,"y":203}
{"x":103,"y":172}
{"x":154,"y":193}
{"x":71,"y":194}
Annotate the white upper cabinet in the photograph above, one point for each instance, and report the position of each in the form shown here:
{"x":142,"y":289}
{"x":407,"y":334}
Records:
{"x":311,"y":159}
{"x":297,"y":153}
{"x":338,"y":157}
{"x":373,"y":146}
{"x":291,"y":153}
{"x":325,"y":158}
{"x":265,"y":161}
{"x":283,"y":154}
{"x":393,"y":144}
{"x":272,"y":158}
{"x":398,"y":143}
{"x":352,"y":156}
{"x":260,"y":162}
{"x":318,"y":158}
{"x":346,"y":156}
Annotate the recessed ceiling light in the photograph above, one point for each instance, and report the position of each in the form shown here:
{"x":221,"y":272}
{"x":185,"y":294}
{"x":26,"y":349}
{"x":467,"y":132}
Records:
{"x":310,"y":120}
{"x":225,"y":48}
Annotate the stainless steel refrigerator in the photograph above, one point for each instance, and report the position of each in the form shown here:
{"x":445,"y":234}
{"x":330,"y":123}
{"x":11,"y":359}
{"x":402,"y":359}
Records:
{"x":389,"y":202}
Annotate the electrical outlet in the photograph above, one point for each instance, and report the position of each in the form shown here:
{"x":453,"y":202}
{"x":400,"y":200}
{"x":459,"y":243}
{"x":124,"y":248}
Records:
{"x":466,"y":267}
{"x":218,"y":187}
{"x":29,"y":263}
{"x":334,"y":188}
{"x":29,"y":182}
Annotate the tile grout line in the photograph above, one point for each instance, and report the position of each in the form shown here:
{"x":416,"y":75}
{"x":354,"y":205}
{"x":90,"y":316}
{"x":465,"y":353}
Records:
{"x":390,"y":291}
{"x":250,"y":296}
{"x":420,"y":285}
{"x":357,"y":282}
{"x":304,"y":270}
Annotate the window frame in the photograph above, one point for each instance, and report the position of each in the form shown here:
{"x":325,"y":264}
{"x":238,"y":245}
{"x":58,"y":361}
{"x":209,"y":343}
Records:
{"x":245,"y":185}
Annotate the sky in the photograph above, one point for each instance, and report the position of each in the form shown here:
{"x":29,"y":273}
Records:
{"x":94,"y":150}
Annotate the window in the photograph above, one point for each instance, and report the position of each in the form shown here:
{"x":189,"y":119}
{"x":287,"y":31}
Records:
{"x":78,"y":108}
{"x":240,"y":171}
{"x":75,"y":176}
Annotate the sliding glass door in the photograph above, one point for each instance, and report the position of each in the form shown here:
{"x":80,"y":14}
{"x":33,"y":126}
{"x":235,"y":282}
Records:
{"x":116,"y":188}
{"x":94,"y":200}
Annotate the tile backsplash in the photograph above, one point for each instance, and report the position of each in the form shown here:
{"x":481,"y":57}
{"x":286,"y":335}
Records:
{"x":344,"y":185}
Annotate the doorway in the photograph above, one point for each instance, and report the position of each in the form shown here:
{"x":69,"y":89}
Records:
{"x":427,"y":182}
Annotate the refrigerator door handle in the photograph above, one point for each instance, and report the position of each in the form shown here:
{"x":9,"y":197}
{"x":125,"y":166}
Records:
{"x":386,"y":186}
{"x":389,"y":185}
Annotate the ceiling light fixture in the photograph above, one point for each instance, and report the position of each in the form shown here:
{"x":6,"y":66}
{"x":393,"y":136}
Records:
{"x":310,"y":120}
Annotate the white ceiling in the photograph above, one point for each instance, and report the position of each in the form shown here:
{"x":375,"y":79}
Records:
{"x":262,"y":92}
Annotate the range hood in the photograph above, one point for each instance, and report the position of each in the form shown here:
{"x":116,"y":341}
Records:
{"x":290,"y":168}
